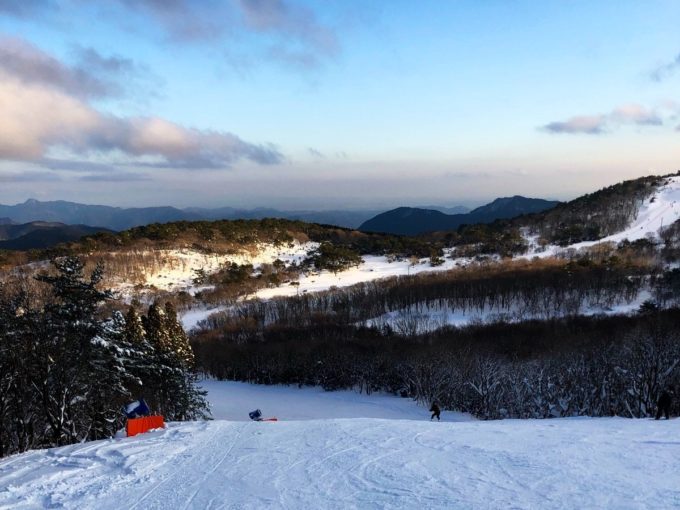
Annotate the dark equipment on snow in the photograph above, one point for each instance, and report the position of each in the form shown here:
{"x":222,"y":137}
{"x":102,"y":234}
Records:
{"x":137,"y":409}
{"x":255,"y":415}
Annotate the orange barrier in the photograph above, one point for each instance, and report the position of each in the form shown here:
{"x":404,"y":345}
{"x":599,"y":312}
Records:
{"x":270,"y":419}
{"x":140,"y":425}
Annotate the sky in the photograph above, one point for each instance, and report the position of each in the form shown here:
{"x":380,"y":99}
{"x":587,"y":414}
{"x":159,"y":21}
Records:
{"x":334,"y":104}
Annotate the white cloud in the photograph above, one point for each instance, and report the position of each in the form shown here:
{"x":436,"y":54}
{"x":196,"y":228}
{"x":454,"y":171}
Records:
{"x":44,"y":105}
{"x":597,"y":124}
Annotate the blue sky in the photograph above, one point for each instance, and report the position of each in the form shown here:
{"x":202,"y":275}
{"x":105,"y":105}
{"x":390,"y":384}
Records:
{"x":333,"y":104}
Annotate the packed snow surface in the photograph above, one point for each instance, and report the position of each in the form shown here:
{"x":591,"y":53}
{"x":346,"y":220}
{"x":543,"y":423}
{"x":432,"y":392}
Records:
{"x":233,"y":400}
{"x":364,"y":463}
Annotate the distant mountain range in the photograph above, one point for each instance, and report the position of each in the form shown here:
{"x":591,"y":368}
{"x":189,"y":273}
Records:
{"x":37,"y":224}
{"x":117,"y":218}
{"x":40,"y":234}
{"x":413,"y":221}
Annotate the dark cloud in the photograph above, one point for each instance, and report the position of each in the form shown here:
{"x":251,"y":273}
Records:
{"x":666,"y":70}
{"x":597,"y":124}
{"x":92,"y":76}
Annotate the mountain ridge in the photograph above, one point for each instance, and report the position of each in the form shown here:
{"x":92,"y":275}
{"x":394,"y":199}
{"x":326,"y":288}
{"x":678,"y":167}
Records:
{"x":414,"y":221}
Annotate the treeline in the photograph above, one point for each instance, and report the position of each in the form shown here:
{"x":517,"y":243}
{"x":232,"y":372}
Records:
{"x":67,"y":368}
{"x":594,"y":215}
{"x":539,"y":289}
{"x":576,"y":366}
{"x":221,"y":236}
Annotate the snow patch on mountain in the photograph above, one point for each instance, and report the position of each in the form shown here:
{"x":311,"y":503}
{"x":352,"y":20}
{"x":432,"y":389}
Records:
{"x":659,"y":210}
{"x":427,"y":317}
{"x":176,"y":269}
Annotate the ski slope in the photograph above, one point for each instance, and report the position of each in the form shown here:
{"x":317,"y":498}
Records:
{"x":230,"y":400}
{"x":316,"y":462}
{"x":657,"y":211}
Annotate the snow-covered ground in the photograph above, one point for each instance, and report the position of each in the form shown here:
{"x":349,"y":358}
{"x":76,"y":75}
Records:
{"x":176,"y":269}
{"x":362,"y":463}
{"x":231,"y":400}
{"x":430,"y":317}
{"x":374,"y":267}
{"x":659,"y":210}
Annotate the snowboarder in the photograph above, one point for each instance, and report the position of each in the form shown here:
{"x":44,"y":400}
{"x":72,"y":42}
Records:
{"x":255,"y":415}
{"x":663,"y":406}
{"x":434,"y":409}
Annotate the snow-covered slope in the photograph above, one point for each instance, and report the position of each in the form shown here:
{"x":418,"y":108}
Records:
{"x":659,"y":210}
{"x":175,"y":269}
{"x":372,"y":268}
{"x":359,"y":463}
{"x":354,"y":458}
{"x":230,"y":400}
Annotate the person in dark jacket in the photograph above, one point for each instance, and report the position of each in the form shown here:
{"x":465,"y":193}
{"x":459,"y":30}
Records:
{"x":434,"y":409}
{"x":663,"y":406}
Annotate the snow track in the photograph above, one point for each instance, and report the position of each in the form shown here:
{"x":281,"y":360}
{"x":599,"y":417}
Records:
{"x":360,"y":463}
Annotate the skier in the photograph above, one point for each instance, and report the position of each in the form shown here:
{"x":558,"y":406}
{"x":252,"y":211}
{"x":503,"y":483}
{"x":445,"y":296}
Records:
{"x":663,"y":406}
{"x":434,"y":409}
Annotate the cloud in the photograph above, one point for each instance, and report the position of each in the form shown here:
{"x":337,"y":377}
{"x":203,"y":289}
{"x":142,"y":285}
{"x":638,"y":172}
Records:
{"x":666,"y":70}
{"x":589,"y":124}
{"x":93,"y":76}
{"x":44,"y":108}
{"x":25,"y":8}
{"x":289,"y":32}
{"x":635,"y":114}
{"x":597,"y":124}
{"x":76,"y":166}
{"x":29,"y":177}
{"x":116,"y":177}
{"x":283,"y":17}
{"x":316,"y":153}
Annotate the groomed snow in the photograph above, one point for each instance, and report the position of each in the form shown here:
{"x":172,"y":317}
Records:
{"x":363,"y":463}
{"x":231,"y":400}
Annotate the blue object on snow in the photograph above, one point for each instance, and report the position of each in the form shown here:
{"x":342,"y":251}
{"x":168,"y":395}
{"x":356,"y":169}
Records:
{"x":255,"y":415}
{"x":137,"y":409}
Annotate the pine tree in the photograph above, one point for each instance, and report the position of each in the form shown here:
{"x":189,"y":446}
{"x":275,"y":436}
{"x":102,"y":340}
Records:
{"x":171,"y":385}
{"x":66,"y":349}
{"x":178,"y":337}
{"x":111,"y":377}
